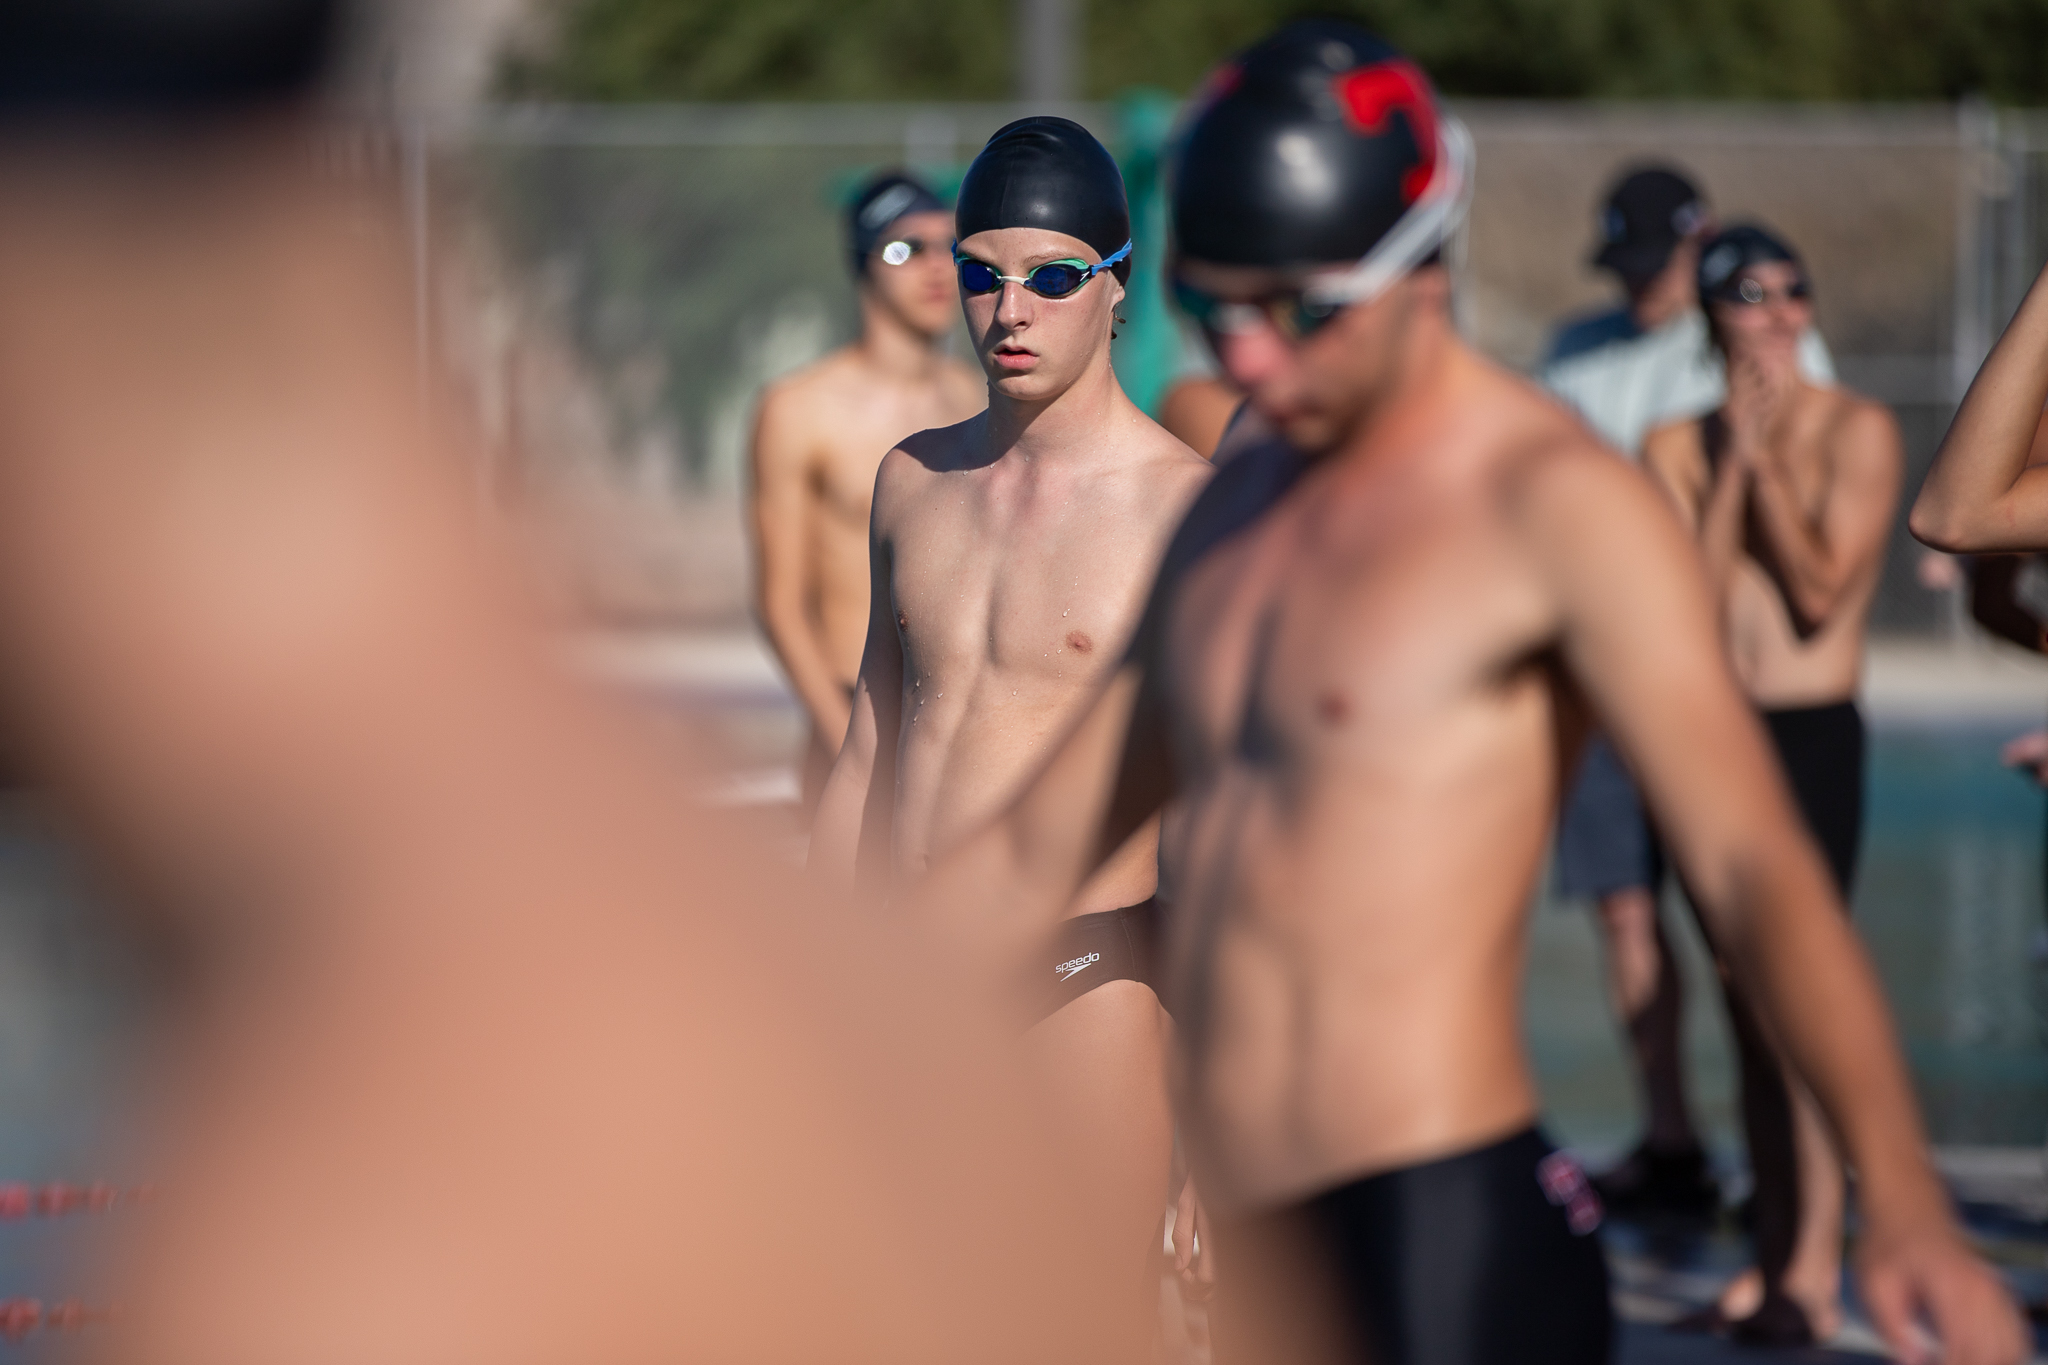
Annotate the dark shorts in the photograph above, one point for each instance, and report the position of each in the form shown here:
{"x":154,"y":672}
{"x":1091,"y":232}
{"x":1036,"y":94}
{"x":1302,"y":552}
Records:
{"x":1087,"y":950}
{"x":1604,"y":840}
{"x":1484,"y":1258}
{"x":1822,"y":751}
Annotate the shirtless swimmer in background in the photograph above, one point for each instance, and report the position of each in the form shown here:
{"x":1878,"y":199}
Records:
{"x":823,"y":430}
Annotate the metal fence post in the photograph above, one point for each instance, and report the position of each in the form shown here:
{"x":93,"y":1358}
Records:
{"x":1046,"y":51}
{"x":1970,"y":332}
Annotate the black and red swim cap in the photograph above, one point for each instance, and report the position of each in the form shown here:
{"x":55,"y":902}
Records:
{"x":1306,"y":149}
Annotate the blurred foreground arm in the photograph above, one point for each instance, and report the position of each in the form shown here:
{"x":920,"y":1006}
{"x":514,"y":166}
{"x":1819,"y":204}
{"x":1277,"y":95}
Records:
{"x":1640,"y":635}
{"x":1986,"y":490}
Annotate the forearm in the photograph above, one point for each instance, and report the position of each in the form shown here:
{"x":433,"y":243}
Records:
{"x":1971,"y":499}
{"x":1813,"y":579}
{"x":817,"y":686}
{"x":1796,"y":956}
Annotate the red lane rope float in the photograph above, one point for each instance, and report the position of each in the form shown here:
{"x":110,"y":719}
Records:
{"x":20,"y":1317}
{"x":55,"y":1199}
{"x":18,"y":1199}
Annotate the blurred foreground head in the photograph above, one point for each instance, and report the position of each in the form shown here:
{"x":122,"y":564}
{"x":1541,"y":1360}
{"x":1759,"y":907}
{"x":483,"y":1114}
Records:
{"x":495,"y":1047}
{"x":94,"y":58}
{"x":1315,"y":188}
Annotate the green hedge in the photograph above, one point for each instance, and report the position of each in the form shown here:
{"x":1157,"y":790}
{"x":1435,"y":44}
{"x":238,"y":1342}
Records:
{"x":961,"y":49}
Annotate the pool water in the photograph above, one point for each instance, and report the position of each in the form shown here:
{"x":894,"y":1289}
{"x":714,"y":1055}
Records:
{"x":1948,"y":899}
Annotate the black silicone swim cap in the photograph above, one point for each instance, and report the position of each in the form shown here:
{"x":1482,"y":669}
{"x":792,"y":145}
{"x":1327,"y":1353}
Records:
{"x":1046,"y":172}
{"x":1723,"y":257}
{"x":881,"y":201}
{"x":1304,"y":149}
{"x":160,"y":56}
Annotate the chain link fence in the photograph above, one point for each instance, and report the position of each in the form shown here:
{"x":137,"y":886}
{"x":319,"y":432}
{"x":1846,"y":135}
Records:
{"x":618,"y":283}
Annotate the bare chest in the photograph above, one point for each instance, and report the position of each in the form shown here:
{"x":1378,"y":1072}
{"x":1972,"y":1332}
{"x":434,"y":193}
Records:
{"x":1042,"y":589}
{"x":1318,"y":641}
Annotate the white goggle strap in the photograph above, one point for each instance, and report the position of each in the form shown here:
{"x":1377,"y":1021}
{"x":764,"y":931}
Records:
{"x":1430,"y":223}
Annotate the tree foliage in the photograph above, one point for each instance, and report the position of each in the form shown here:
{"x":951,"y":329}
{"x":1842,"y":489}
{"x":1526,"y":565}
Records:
{"x":1630,"y":49}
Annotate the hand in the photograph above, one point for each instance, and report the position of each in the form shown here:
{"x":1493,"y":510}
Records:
{"x":2029,"y":751}
{"x":1191,"y":1246}
{"x":1932,"y":1277}
{"x":1756,"y":395}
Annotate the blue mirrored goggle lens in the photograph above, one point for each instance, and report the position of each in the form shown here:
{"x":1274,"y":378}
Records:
{"x":977,"y":278}
{"x":1055,"y":281}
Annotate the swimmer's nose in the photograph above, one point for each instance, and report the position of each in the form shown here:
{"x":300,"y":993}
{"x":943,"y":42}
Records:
{"x":1253,"y":356}
{"x":1015,"y":309}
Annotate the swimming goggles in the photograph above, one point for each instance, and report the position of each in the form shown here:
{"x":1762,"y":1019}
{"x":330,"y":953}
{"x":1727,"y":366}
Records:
{"x":1053,"y":280}
{"x":903,"y":248}
{"x":1751,"y":292}
{"x":1431,"y":224}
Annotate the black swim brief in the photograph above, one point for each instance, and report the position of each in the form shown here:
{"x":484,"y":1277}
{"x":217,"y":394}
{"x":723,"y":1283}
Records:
{"x":1484,"y":1258}
{"x":1087,"y":950}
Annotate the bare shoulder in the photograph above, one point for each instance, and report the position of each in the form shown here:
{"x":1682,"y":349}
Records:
{"x":810,"y":384}
{"x":793,"y":406}
{"x":916,"y":462}
{"x":1862,"y":431}
{"x":1565,"y":487}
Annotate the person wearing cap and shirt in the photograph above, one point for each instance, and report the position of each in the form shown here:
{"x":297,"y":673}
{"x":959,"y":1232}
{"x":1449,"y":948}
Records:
{"x":1790,"y":487}
{"x":1626,"y":371}
{"x":1372,"y":648}
{"x":821,"y":433}
{"x":1011,"y":554}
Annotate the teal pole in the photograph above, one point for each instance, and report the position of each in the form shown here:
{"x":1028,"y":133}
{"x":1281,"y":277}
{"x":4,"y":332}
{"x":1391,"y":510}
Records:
{"x":1147,"y":351}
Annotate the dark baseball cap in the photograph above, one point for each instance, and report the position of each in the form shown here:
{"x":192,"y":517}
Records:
{"x":1647,"y":215}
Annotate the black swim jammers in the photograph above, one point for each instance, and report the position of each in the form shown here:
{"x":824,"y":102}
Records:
{"x":1484,"y":1258}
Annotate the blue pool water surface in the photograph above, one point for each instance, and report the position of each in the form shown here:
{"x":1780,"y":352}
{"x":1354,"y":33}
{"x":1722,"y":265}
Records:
{"x":1948,"y":900}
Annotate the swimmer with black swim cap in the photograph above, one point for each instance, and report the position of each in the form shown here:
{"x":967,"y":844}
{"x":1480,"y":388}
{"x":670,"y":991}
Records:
{"x":1367,"y":663}
{"x":1011,"y":557}
{"x":821,"y":432}
{"x":1790,"y":487}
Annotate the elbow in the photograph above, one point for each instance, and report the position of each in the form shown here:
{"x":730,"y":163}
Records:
{"x":1814,"y":602}
{"x":1934,"y":527}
